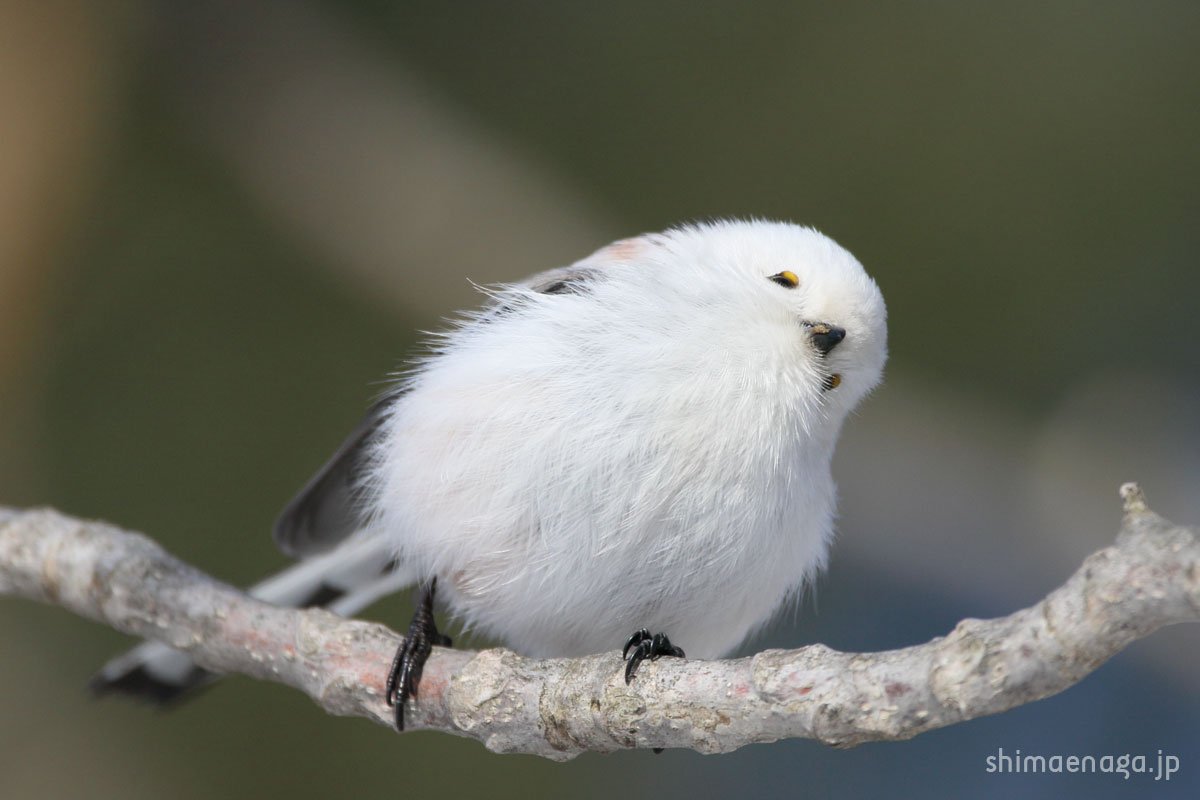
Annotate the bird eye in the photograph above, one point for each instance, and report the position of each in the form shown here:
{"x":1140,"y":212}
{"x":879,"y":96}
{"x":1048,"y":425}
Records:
{"x":786,"y":278}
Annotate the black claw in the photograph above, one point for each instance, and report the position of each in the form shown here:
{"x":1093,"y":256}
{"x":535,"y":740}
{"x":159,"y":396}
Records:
{"x":644,"y":646}
{"x":637,"y":638}
{"x":405,"y":674}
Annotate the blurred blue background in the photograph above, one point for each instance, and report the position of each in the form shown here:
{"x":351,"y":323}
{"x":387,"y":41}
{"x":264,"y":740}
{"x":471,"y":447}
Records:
{"x":221,"y":224}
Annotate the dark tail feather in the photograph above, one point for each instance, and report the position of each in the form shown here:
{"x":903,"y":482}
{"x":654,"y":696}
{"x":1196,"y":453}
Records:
{"x":140,"y":684}
{"x":345,"y":581}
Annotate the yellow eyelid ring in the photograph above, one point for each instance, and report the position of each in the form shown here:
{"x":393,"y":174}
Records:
{"x":786,"y":278}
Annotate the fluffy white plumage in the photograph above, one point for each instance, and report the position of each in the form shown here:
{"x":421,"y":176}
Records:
{"x":642,"y":439}
{"x":647,"y":446}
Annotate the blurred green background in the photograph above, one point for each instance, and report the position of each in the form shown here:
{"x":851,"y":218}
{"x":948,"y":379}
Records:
{"x":221,"y":224}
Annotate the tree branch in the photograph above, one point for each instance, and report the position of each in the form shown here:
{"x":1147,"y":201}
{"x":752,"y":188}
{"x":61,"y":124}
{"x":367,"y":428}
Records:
{"x":559,"y":708}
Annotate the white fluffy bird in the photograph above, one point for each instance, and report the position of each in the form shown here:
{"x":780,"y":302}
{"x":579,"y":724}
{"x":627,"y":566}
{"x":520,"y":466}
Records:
{"x":641,"y":440}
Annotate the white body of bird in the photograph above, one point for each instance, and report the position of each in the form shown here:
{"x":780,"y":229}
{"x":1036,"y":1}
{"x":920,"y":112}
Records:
{"x":649,"y":445}
{"x":642,"y":439}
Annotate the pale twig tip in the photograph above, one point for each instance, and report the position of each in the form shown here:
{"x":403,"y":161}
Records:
{"x":1133,"y":497}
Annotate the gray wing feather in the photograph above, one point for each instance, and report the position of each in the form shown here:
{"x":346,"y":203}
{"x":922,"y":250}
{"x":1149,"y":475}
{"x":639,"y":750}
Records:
{"x":564,"y":280}
{"x":328,"y":509}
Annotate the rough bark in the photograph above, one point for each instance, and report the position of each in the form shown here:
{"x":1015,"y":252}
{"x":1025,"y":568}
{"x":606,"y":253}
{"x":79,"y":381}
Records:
{"x":559,"y":708}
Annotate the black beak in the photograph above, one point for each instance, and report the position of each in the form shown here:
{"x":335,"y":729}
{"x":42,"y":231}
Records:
{"x":825,"y":337}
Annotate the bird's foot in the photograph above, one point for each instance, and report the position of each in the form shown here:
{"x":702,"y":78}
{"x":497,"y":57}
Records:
{"x":405,"y":674}
{"x":641,"y":646}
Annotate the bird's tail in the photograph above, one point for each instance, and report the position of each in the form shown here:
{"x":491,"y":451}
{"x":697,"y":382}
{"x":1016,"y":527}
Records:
{"x":344,"y":581}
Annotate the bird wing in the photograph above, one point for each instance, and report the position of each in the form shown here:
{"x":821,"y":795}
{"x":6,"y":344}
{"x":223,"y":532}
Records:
{"x":328,"y":508}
